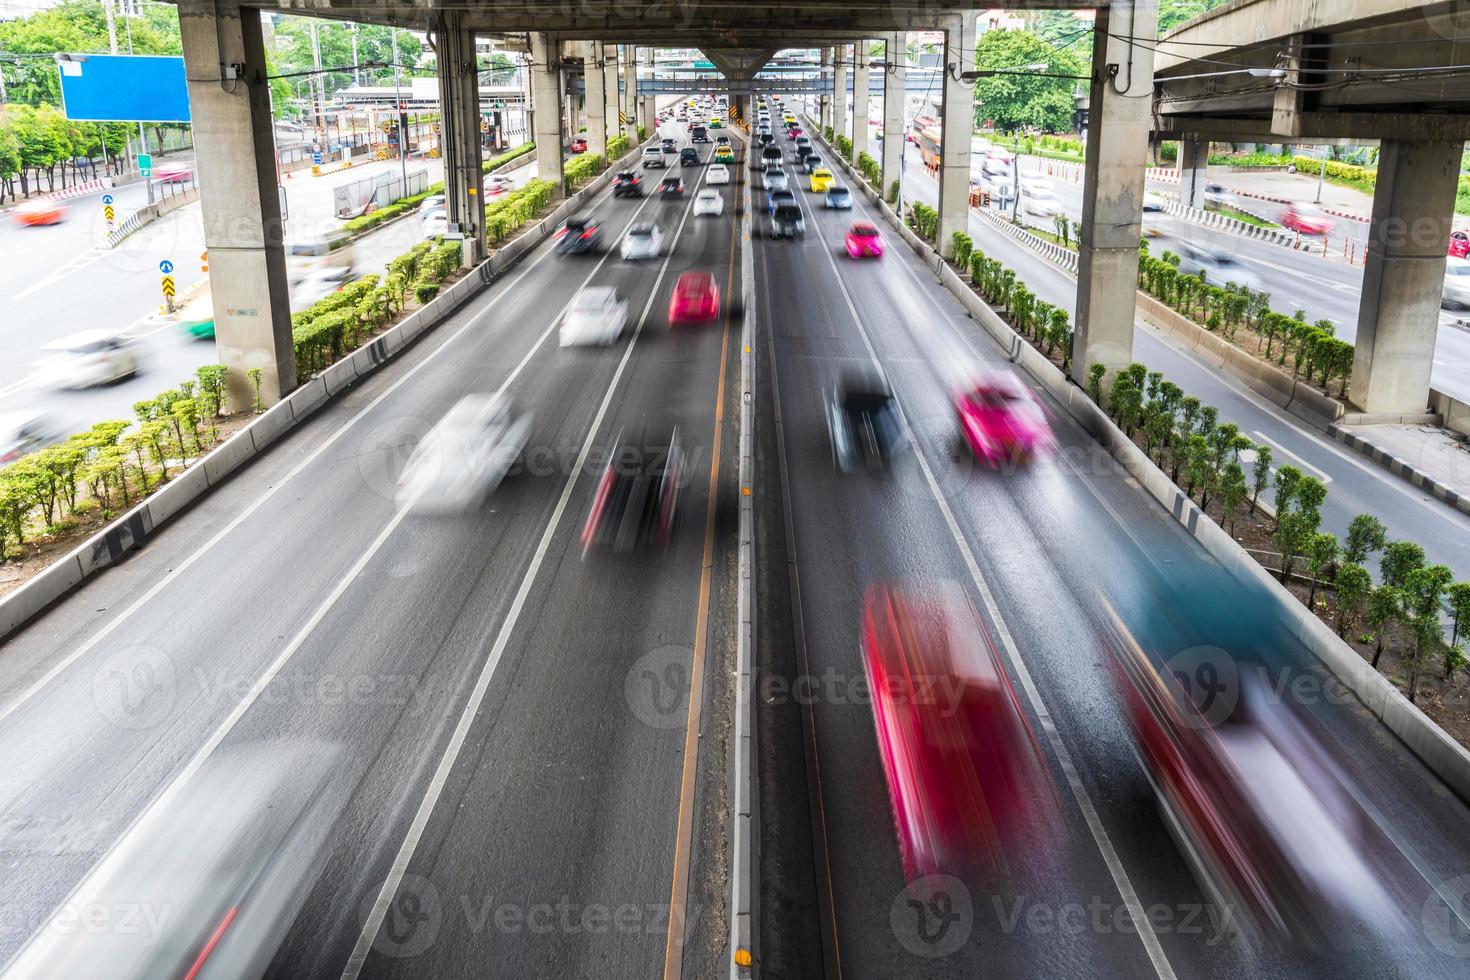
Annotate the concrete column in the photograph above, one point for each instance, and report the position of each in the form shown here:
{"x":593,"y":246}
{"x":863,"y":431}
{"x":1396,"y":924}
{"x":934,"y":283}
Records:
{"x":594,"y":97}
{"x":1194,"y":156}
{"x":648,"y":104}
{"x":894,"y":80}
{"x":235,"y":153}
{"x":459,"y":102}
{"x":824,"y":101}
{"x":1403,"y":277}
{"x":1112,"y":190}
{"x":841,"y":58}
{"x":546,"y":122}
{"x":862,"y":99}
{"x":957,"y":116}
{"x":613,"y":99}
{"x":630,"y":90}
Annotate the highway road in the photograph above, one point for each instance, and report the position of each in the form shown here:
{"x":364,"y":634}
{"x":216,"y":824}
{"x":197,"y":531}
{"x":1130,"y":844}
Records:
{"x":507,"y":721}
{"x":1037,"y":552}
{"x":1355,"y":485}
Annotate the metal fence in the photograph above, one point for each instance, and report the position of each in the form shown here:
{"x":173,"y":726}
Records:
{"x":350,"y":199}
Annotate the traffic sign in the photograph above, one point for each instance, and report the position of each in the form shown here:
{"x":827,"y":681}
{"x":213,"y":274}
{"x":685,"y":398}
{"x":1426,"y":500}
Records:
{"x":145,"y":164}
{"x":165,"y":267}
{"x":106,"y":198}
{"x":484,"y":125}
{"x":168,"y":285}
{"x":316,"y":157}
{"x":108,"y":213}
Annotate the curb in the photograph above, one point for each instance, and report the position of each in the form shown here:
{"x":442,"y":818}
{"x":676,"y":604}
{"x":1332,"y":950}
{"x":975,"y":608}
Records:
{"x":130,"y":530}
{"x":1062,"y":256}
{"x":1399,"y":468}
{"x":1213,"y":219}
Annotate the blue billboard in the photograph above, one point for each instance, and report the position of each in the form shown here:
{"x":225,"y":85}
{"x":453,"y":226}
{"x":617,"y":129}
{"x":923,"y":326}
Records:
{"x":123,"y":88}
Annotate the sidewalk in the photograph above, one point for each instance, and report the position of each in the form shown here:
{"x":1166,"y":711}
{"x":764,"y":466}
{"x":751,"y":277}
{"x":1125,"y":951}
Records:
{"x":1427,"y":456}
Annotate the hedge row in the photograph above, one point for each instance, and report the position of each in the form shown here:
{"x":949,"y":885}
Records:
{"x":582,"y":169}
{"x":924,"y":220}
{"x":505,"y":216}
{"x":618,"y":146}
{"x":406,"y":204}
{"x":871,"y":170}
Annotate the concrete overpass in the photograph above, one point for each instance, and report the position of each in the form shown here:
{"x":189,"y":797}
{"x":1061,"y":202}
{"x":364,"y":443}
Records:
{"x":1388,"y":70}
{"x":604,"y":41}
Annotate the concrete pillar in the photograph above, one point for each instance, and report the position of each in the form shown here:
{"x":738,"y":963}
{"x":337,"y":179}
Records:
{"x":613,"y":99}
{"x":239,"y":198}
{"x":841,"y":58}
{"x":957,"y":120}
{"x":1403,"y":277}
{"x":824,"y":100}
{"x":1112,"y":190}
{"x":1194,"y":156}
{"x":594,"y":97}
{"x":648,"y":104}
{"x":894,"y":80}
{"x":546,"y":122}
{"x":630,"y":90}
{"x":861,"y":99}
{"x":459,"y":103}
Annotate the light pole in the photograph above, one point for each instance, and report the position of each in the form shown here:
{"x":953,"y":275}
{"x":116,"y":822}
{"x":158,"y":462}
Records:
{"x":402,"y":119}
{"x":1321,"y":172}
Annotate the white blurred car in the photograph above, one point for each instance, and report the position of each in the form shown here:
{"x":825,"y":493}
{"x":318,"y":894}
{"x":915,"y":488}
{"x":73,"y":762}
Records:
{"x":642,"y":241}
{"x":718,"y":173}
{"x":709,"y":202}
{"x":598,"y":315}
{"x":775,"y":179}
{"x":435,"y":222}
{"x":1042,"y":203}
{"x":84,"y":360}
{"x":463,"y":459}
{"x":1456,"y":283}
{"x":24,"y":432}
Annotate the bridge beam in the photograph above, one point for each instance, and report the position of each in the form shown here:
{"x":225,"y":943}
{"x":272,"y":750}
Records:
{"x":546,"y":118}
{"x":459,"y":116}
{"x":958,"y":126}
{"x":862,"y":98}
{"x":1403,"y":277}
{"x":239,"y":197}
{"x":1112,"y":190}
{"x":895,"y":82}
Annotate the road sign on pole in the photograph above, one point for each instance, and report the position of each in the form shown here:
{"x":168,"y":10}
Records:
{"x":145,"y":164}
{"x":165,"y":267}
{"x":168,"y":292}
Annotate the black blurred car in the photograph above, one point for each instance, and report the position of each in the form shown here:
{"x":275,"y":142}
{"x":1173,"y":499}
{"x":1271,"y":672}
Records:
{"x":671,"y":187}
{"x":698,"y":134}
{"x":637,"y":499}
{"x":627,"y":184}
{"x":809,"y":163}
{"x":580,"y":236}
{"x":689,"y":157}
{"x":862,"y":420}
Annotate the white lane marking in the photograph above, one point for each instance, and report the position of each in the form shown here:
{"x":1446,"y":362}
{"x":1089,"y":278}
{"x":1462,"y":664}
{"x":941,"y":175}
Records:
{"x":487,"y":672}
{"x":1320,"y":474}
{"x":75,"y":265}
{"x":105,"y":631}
{"x":1100,"y":836}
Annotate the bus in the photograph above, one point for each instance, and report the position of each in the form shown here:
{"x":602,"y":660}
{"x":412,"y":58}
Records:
{"x":926,"y":135}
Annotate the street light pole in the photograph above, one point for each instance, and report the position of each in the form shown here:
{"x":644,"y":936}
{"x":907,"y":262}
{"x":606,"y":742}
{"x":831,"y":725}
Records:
{"x":1321,"y":172}
{"x":402,"y":117}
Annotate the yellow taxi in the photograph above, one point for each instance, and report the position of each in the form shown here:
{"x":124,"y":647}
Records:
{"x":788,"y":119}
{"x":821,"y":180}
{"x":715,"y":122}
{"x":723,"y":154}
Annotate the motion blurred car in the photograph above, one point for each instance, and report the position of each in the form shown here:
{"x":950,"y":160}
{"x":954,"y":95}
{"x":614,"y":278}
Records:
{"x":810,"y":163}
{"x":689,"y":157}
{"x":821,"y":179}
{"x":36,"y":214}
{"x":722,"y":140}
{"x":698,"y":134}
{"x":463,"y":458}
{"x":1000,"y":422}
{"x":862,"y":420}
{"x":787,"y":222}
{"x":718,"y":173}
{"x":1459,"y":246}
{"x":715,"y":122}
{"x":1216,"y":195}
{"x":775,"y":179}
{"x":709,"y":202}
{"x":838,"y":197}
{"x":627,"y":184}
{"x":695,"y":299}
{"x":597,"y":315}
{"x":84,"y":360}
{"x":803,"y":146}
{"x":671,"y":187}
{"x":863,"y":241}
{"x":966,"y":778}
{"x":1456,"y":293}
{"x":579,"y":236}
{"x":434,"y":222}
{"x":652,"y":157}
{"x":24,"y":432}
{"x":1154,"y":216}
{"x":637,"y":498}
{"x":172,"y":175}
{"x":1262,"y":811}
{"x":1216,"y":263}
{"x":724,"y":154}
{"x":579,"y":144}
{"x":769,"y":157}
{"x":1305,"y":219}
{"x":643,"y":240}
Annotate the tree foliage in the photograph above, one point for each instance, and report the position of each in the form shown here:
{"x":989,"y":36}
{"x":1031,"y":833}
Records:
{"x":1024,"y":100}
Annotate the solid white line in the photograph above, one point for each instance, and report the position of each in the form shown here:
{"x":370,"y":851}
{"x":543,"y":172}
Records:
{"x":1319,"y":474}
{"x":137,"y":604}
{"x":482,"y":685}
{"x":1100,"y":836}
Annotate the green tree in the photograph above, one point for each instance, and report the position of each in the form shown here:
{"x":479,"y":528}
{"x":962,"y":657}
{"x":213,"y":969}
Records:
{"x":1458,"y":598}
{"x":1260,"y":474}
{"x":1366,"y":534}
{"x":1400,"y":559}
{"x":1322,"y":554}
{"x":1385,"y":607}
{"x":1353,"y":584}
{"x":1021,"y":100}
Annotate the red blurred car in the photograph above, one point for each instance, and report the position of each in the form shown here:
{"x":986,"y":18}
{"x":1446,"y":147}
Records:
{"x":579,"y":144}
{"x":966,"y":779}
{"x":172,"y":175}
{"x":35,"y":214}
{"x":1459,"y":244}
{"x":863,"y":241}
{"x":696,"y":298}
{"x":1305,"y":219}
{"x":1000,"y":420}
{"x":637,"y":499}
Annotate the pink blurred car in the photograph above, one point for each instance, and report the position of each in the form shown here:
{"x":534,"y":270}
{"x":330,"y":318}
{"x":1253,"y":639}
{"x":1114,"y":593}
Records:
{"x":966,"y":779}
{"x":1000,"y":421}
{"x":863,"y":241}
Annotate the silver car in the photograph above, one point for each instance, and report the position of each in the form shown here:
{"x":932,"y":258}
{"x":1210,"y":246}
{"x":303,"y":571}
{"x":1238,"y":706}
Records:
{"x":1456,"y":283}
{"x":776,"y":179}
